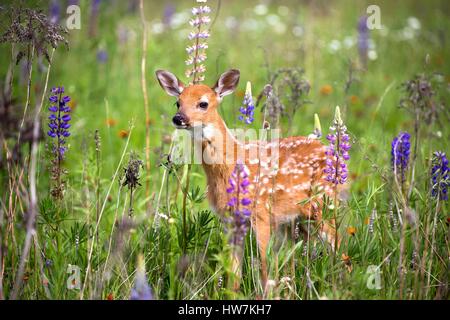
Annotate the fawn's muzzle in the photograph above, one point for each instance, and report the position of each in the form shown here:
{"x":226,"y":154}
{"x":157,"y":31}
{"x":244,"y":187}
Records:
{"x":180,"y":120}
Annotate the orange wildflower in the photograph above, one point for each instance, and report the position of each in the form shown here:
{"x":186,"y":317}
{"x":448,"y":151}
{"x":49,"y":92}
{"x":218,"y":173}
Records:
{"x":110,"y":122}
{"x":123,"y":134}
{"x":351,"y":231}
{"x":326,"y":90}
{"x":354,"y":99}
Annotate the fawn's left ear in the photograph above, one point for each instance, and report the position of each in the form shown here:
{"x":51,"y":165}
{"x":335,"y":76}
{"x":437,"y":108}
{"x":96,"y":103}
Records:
{"x":227,"y":82}
{"x":170,"y":83}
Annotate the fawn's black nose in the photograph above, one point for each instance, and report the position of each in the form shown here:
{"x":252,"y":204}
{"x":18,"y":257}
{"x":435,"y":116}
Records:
{"x":179,"y":119}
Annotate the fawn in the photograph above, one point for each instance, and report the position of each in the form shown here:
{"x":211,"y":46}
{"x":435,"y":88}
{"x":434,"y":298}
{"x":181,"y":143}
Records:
{"x":279,"y":192}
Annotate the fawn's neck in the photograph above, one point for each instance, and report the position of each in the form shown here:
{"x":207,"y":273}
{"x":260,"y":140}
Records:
{"x":219,"y":149}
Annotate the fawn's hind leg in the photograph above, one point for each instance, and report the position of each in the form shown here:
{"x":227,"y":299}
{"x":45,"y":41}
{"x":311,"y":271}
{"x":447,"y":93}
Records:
{"x":262,"y":227}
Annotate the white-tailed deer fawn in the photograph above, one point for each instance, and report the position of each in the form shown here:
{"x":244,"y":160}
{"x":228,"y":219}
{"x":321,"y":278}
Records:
{"x":283,"y":183}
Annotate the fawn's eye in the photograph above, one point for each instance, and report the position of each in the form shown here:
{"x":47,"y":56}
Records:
{"x":178,"y":104}
{"x":203,"y":105}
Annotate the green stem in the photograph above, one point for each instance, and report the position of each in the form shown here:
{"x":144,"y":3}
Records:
{"x":184,"y":208}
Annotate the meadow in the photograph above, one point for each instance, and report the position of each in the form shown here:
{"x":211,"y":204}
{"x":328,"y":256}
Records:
{"x":115,"y":218}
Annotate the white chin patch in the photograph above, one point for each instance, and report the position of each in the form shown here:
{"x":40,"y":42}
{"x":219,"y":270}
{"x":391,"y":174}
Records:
{"x":201,"y":132}
{"x":208,"y":132}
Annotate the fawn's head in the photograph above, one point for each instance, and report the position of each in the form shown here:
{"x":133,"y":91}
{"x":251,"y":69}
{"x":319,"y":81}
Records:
{"x":197,"y":104}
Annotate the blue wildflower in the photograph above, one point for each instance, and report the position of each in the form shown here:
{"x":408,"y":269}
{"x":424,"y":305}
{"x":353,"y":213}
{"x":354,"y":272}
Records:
{"x":439,"y":176}
{"x":363,"y":39}
{"x":102,"y":56}
{"x":337,"y":152}
{"x":141,"y":290}
{"x":59,"y":121}
{"x":169,"y":12}
{"x":400,"y":154}
{"x":238,"y":187}
{"x":55,"y":8}
{"x":248,"y":109}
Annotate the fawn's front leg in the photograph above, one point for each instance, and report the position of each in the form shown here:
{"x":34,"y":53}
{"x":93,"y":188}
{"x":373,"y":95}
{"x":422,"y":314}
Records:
{"x":261,"y":227}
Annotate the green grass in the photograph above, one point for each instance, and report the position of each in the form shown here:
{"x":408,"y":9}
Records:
{"x":66,"y":230}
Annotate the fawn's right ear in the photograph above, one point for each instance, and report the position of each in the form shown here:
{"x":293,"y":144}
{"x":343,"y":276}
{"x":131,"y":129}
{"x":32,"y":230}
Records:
{"x":170,"y":83}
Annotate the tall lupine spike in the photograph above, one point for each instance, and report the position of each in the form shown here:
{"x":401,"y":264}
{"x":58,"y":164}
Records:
{"x":239,"y":183}
{"x":440,"y":176}
{"x":337,"y":152}
{"x":197,"y":51}
{"x":363,"y":40}
{"x":317,"y":132}
{"x":400,"y":155}
{"x":54,"y":11}
{"x":59,"y":125}
{"x":248,"y":109}
{"x":59,"y":119}
{"x":141,"y":290}
{"x":93,"y":18}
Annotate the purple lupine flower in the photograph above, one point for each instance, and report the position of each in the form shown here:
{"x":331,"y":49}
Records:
{"x":141,"y":290}
{"x":197,"y":51}
{"x":102,"y":56}
{"x":240,"y":214}
{"x":248,"y":109}
{"x":93,"y":17}
{"x":59,"y":119}
{"x":169,"y":11}
{"x":439,"y":176}
{"x":400,"y":155}
{"x":95,"y":6}
{"x":363,"y":39}
{"x":55,"y":8}
{"x":48,"y":263}
{"x":337,"y":152}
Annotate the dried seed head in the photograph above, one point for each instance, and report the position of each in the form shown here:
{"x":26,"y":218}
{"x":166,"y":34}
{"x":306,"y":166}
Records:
{"x":131,"y":172}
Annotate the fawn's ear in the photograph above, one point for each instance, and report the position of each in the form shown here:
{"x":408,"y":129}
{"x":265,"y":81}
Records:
{"x":227,"y":82}
{"x":170,"y":83}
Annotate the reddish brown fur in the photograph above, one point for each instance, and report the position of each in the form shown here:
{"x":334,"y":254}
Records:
{"x":281,"y":204}
{"x":276,"y":194}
